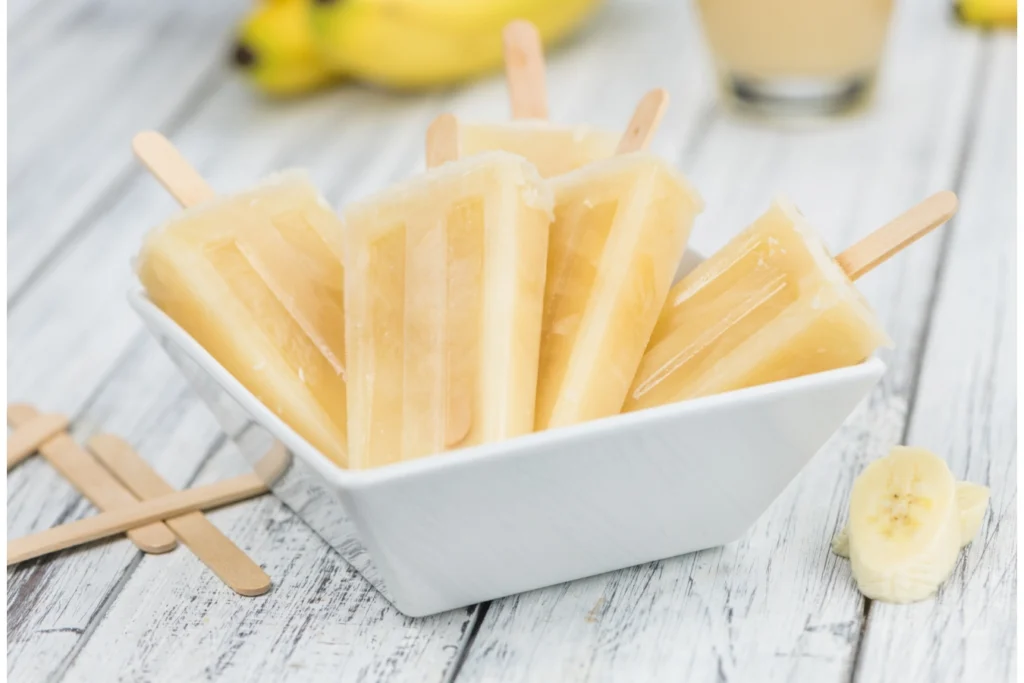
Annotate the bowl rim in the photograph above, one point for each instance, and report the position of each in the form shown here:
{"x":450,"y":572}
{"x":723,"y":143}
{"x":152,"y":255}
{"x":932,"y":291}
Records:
{"x":352,"y":479}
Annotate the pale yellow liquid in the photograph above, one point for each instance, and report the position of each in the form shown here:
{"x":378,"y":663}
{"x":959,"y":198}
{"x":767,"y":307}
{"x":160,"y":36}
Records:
{"x":796,"y":38}
{"x":796,"y":47}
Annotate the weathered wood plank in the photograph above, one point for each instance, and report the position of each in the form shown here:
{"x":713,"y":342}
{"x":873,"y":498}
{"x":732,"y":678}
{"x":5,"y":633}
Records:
{"x":321,"y":619}
{"x":776,"y":605}
{"x":84,"y":76}
{"x":51,"y":603}
{"x":965,"y":411}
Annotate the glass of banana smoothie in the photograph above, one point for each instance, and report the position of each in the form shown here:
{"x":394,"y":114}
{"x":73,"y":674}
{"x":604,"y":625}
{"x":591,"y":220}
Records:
{"x":796,"y":57}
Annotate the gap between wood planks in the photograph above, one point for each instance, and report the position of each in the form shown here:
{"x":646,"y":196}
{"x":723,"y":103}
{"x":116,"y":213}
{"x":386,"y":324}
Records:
{"x":982,"y":70}
{"x":478,"y":621}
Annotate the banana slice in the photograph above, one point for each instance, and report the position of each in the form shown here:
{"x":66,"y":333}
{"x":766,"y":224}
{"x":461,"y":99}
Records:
{"x":904,"y":526}
{"x":841,"y":543}
{"x":972,"y":501}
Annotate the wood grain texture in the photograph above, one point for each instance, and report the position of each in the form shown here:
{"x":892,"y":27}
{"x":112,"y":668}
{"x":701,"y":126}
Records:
{"x":965,"y":411}
{"x":321,"y":621}
{"x":776,"y":606}
{"x":54,"y":603}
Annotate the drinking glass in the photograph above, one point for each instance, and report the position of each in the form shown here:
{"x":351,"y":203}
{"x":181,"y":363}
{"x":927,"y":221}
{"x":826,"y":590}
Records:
{"x":796,"y":57}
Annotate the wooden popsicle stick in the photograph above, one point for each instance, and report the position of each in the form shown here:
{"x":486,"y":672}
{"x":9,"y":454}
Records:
{"x":273,"y":464}
{"x":214,"y":549}
{"x":167,"y":165}
{"x":442,"y":140}
{"x":145,"y":512}
{"x":646,"y":118}
{"x":897,"y":234}
{"x":31,"y":434}
{"x":524,"y":70}
{"x":94,"y":482}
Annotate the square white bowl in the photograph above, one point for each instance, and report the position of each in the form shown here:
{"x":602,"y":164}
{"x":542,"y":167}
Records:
{"x":480,"y":523}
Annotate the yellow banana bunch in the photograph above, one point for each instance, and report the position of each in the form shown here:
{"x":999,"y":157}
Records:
{"x":275,"y":49}
{"x":395,"y":43}
{"x":988,"y":12}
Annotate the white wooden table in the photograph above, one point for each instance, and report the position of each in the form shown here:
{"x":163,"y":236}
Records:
{"x":774,"y":606}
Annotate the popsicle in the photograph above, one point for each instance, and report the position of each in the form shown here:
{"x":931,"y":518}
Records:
{"x":444,"y":290}
{"x":772,"y":304}
{"x":620,"y":227}
{"x":256,"y":279}
{"x":553,"y":149}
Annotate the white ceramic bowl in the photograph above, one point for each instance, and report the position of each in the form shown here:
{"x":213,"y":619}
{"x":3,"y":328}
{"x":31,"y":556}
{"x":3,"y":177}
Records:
{"x":480,"y":523}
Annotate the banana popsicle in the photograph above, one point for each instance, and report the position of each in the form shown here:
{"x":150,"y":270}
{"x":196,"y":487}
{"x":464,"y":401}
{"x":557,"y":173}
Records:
{"x":771,"y":305}
{"x":553,"y":149}
{"x":444,"y":288}
{"x":620,"y":227}
{"x":256,"y":279}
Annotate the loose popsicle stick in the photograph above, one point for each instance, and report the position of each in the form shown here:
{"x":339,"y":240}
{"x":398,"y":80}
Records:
{"x":118,"y":521}
{"x":524,"y":70}
{"x":897,"y":234}
{"x":273,"y":464}
{"x":213,"y":548}
{"x":90,"y":479}
{"x":442,"y":140}
{"x":172,"y":171}
{"x":31,"y":434}
{"x":646,"y":118}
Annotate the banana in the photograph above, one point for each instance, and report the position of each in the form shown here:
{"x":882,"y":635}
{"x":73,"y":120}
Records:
{"x":841,"y":543}
{"x":275,"y":49}
{"x":987,"y":12}
{"x":972,"y":501}
{"x":904,"y":527}
{"x":408,"y":44}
